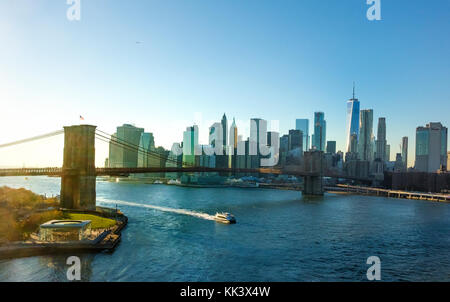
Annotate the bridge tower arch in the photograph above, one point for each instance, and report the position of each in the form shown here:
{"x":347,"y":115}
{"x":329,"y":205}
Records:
{"x":78,"y":173}
{"x":313,"y":163}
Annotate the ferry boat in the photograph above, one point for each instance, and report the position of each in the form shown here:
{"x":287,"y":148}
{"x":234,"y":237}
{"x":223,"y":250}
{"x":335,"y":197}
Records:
{"x":225,"y":218}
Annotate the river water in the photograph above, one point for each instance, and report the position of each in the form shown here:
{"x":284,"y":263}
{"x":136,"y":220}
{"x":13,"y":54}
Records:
{"x":279,"y":236}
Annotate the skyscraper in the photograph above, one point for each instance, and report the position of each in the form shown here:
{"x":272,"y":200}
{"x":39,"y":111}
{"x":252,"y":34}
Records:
{"x":224,"y":129}
{"x":405,"y":152}
{"x":388,"y":152}
{"x":123,"y":157}
{"x":147,"y":143}
{"x":431,"y":147}
{"x":232,"y":145}
{"x":190,"y":144}
{"x":381,"y":142}
{"x":320,"y":130}
{"x":331,"y":147}
{"x":295,"y":140}
{"x":233,"y":135}
{"x":352,"y":120}
{"x":303,"y":126}
{"x":365,"y":142}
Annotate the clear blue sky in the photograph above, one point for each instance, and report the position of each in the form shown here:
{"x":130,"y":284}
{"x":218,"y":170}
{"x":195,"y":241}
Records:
{"x":278,"y":60}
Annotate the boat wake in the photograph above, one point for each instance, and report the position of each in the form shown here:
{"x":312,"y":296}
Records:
{"x":159,"y":208}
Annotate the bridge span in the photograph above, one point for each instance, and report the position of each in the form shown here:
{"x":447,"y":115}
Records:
{"x":78,"y":173}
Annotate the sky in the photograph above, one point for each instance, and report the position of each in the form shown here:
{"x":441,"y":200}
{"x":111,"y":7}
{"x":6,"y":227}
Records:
{"x":165,"y":64}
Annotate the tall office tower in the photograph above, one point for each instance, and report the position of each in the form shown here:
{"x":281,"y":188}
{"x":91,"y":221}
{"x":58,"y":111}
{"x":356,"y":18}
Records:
{"x":320,"y":131}
{"x":147,"y":143}
{"x":380,"y":152}
{"x":232,"y":145}
{"x":431,"y":147}
{"x":233,"y":135}
{"x":284,"y":146}
{"x":224,"y":129}
{"x":331,"y":147}
{"x":303,"y":126}
{"x":123,"y":157}
{"x":398,"y":165}
{"x":352,"y":120}
{"x":295,"y":140}
{"x":353,"y":144}
{"x":365,"y":142}
{"x":190,"y":145}
{"x":114,"y":160}
{"x":388,"y":152}
{"x":405,"y":152}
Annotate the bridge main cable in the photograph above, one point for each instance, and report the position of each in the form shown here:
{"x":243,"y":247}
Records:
{"x":123,"y":143}
{"x":34,"y":138}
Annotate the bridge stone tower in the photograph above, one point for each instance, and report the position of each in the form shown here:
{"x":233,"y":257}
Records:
{"x":78,"y":178}
{"x":313,"y":163}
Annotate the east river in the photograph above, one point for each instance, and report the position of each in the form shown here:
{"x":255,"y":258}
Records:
{"x":279,"y":236}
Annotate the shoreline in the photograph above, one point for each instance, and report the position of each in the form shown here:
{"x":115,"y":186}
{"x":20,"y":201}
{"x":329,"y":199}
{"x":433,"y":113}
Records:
{"x":107,"y":241}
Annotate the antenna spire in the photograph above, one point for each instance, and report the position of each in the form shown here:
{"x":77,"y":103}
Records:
{"x":353,"y":89}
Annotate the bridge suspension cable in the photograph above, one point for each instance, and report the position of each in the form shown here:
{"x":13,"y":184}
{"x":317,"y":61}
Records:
{"x":34,"y":138}
{"x":130,"y":146}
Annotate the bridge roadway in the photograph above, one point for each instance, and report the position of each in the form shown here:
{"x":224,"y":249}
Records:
{"x":54,"y":171}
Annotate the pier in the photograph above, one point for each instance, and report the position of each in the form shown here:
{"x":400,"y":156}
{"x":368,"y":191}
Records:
{"x":390,"y":193}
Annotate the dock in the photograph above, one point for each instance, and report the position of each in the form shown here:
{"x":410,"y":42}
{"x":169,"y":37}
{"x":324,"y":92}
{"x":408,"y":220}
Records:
{"x":390,"y":193}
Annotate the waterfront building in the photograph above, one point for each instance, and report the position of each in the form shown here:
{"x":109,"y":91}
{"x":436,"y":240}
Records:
{"x":331,"y":147}
{"x":365,"y":142}
{"x":352,"y":121}
{"x":121,"y":156}
{"x":320,"y":130}
{"x":431,"y":147}
{"x":381,"y":142}
{"x":405,"y":152}
{"x":303,"y":126}
{"x":190,"y":145}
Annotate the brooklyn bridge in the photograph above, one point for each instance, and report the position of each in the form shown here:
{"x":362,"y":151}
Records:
{"x":78,"y":172}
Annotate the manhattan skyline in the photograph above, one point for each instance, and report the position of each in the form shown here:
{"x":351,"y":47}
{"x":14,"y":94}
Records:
{"x":256,"y":60}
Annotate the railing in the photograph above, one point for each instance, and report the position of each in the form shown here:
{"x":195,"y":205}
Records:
{"x":126,"y":171}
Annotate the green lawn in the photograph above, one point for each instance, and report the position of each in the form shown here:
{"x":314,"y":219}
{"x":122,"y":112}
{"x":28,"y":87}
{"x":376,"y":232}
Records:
{"x":97,"y":222}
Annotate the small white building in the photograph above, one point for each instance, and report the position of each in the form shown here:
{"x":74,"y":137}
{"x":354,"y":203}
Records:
{"x":65,"y":230}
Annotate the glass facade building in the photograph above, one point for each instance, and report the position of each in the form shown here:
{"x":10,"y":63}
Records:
{"x":303,"y":126}
{"x":431,"y":147}
{"x":352,"y":122}
{"x":320,"y":131}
